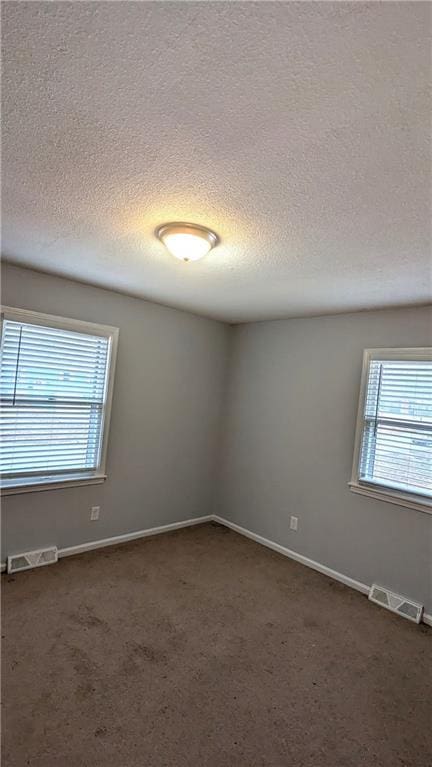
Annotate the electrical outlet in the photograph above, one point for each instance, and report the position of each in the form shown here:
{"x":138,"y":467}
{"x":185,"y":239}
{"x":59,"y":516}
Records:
{"x":94,"y":513}
{"x":294,"y":523}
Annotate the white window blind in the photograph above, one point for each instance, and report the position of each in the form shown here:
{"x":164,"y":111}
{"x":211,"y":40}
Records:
{"x":396,"y":441}
{"x":53,"y":387}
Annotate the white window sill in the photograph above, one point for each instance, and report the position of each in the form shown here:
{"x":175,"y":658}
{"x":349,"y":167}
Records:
{"x":27,"y":485}
{"x":393,"y":496}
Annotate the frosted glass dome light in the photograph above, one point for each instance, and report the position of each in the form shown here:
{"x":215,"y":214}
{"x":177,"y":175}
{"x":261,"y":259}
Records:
{"x":188,"y":242}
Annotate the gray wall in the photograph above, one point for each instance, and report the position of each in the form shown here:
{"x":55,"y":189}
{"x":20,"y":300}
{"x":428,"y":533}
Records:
{"x":165,"y":422}
{"x":288,"y":446}
{"x":288,"y":429}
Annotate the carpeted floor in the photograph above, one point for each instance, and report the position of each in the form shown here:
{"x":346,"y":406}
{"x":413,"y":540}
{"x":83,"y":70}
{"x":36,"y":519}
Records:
{"x":201,"y":648}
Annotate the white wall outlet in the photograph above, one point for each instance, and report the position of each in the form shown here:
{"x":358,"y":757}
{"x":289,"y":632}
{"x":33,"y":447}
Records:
{"x":294,"y":523}
{"x":94,"y":513}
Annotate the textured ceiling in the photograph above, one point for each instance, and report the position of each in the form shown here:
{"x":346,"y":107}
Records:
{"x":298,"y":131}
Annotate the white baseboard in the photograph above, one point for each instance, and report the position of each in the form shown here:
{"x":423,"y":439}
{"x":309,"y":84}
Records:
{"x":294,"y":555}
{"x":357,"y":585}
{"x":116,"y":539}
{"x":69,"y":551}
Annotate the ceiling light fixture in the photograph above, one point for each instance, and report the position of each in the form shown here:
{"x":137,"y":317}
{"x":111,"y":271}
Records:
{"x":188,"y":242}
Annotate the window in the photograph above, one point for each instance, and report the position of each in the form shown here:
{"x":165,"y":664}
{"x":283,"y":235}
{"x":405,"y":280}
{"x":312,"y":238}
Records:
{"x":56,"y":380}
{"x":393,"y":451}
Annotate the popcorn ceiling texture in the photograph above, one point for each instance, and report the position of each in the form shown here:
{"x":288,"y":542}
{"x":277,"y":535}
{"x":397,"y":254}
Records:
{"x":298,"y":131}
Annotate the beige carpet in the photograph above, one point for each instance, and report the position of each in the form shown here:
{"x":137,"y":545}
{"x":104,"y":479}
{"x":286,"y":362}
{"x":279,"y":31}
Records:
{"x":203,"y":649}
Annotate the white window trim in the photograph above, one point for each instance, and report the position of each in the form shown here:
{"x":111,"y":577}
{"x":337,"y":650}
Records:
{"x":381,"y":492}
{"x":12,"y":486}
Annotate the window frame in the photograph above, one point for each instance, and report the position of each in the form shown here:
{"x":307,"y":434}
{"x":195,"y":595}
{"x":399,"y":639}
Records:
{"x":384,"y":492}
{"x":54,"y":481}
